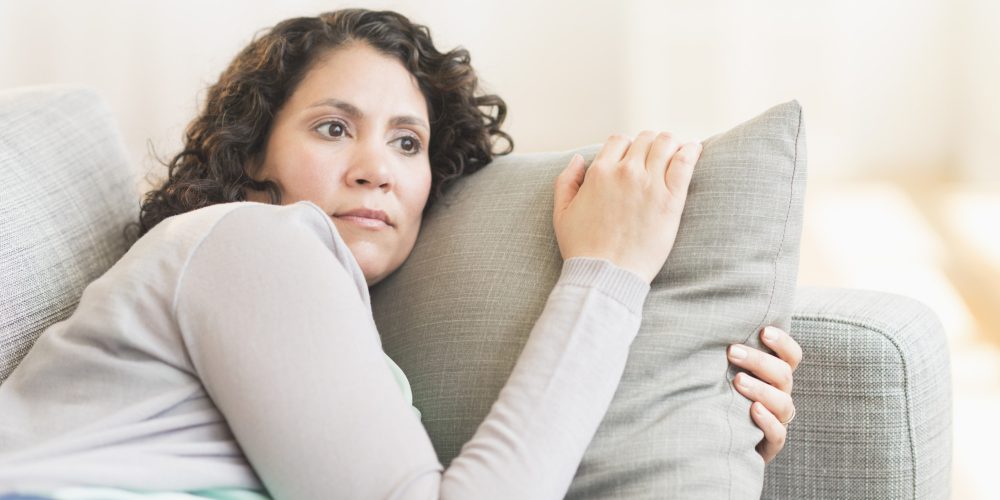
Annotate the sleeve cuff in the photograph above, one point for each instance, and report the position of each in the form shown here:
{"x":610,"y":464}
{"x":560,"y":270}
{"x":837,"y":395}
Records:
{"x":622,"y":285}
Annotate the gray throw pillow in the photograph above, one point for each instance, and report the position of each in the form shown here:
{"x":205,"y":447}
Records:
{"x":456,"y":315}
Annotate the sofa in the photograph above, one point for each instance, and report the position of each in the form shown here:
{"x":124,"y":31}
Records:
{"x":873,"y":392}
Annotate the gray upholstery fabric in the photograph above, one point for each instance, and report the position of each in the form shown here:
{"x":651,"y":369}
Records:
{"x":66,"y":194}
{"x":456,"y":315}
{"x":873,"y":392}
{"x":873,"y":397}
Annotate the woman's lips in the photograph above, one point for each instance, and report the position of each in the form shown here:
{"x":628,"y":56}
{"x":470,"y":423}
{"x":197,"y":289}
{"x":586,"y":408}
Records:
{"x":365,"y":222}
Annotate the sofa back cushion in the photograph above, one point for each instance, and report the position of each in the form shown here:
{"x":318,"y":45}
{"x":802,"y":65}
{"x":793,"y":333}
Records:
{"x":66,"y":195}
{"x":456,"y":315}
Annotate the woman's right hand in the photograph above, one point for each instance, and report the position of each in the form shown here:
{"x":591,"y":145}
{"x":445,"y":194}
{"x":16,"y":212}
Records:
{"x":627,"y":206}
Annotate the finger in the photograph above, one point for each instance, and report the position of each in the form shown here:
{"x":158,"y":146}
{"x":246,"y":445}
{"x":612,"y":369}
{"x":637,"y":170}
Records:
{"x":568,"y":183}
{"x":612,"y":152}
{"x":663,"y":148}
{"x":777,"y":402}
{"x":783,"y":345}
{"x":775,"y":433}
{"x":637,"y":152}
{"x":681,"y":168}
{"x":764,"y":366}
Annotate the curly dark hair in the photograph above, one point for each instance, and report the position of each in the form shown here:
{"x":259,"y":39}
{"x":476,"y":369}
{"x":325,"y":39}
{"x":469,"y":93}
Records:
{"x":239,"y":109}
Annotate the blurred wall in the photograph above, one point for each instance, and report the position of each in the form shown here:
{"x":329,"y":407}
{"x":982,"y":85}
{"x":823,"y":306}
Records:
{"x":890,"y":88}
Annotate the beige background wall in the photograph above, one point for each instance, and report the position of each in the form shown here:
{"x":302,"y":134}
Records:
{"x":900,"y":97}
{"x":888,"y":87}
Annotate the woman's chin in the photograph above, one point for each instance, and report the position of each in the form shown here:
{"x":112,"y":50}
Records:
{"x":373,"y":269}
{"x":377,"y":259}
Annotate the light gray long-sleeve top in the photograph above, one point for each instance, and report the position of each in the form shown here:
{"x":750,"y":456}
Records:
{"x":234,"y":347}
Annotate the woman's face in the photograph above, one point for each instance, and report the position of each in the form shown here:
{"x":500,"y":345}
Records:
{"x":353,"y":139}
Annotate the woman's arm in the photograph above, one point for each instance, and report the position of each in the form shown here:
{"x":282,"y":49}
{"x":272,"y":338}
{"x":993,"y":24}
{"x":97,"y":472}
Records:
{"x":532,"y":440}
{"x":270,"y":311}
{"x":284,"y":345}
{"x":287,"y":350}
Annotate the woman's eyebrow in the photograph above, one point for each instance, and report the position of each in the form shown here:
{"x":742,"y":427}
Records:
{"x":408,"y":120}
{"x":356,"y":114}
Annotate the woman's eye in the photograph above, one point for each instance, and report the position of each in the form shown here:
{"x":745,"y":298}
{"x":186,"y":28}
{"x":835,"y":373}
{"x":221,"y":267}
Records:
{"x":332,"y":129}
{"x":409,"y":144}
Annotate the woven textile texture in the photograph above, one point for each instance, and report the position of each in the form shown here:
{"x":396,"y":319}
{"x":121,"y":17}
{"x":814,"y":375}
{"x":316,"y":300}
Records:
{"x":456,"y":315}
{"x":66,"y":194}
{"x":873,"y":399}
{"x":873,"y":392}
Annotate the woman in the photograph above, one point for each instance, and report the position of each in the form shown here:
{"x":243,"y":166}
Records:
{"x":232,"y":348}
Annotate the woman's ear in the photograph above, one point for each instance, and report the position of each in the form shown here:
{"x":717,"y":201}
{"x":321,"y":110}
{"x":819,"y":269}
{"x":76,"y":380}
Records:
{"x":253,"y":167}
{"x":258,"y":196}
{"x":255,"y":189}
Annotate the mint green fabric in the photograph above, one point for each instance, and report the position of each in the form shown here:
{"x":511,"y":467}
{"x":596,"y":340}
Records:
{"x":404,"y":384}
{"x":120,"y":494}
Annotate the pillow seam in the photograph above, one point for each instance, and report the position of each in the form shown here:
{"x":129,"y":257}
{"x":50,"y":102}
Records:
{"x":774,"y":283}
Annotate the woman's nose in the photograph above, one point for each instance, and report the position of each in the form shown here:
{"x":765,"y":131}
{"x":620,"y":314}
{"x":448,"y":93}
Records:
{"x":369,"y":169}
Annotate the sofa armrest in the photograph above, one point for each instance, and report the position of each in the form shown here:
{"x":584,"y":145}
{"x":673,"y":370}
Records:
{"x":873,"y":398}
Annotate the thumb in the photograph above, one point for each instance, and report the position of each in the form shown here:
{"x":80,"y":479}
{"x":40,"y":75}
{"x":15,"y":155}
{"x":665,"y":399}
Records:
{"x":568,"y":183}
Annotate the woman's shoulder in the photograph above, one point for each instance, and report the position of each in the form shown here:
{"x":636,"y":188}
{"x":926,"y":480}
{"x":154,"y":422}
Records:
{"x":158,"y":260}
{"x":190,"y":228}
{"x":163,"y":252}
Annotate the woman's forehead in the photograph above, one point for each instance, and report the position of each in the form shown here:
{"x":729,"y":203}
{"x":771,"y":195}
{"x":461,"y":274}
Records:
{"x":367,"y":80}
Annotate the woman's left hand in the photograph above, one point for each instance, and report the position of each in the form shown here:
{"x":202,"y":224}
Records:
{"x":771,"y":389}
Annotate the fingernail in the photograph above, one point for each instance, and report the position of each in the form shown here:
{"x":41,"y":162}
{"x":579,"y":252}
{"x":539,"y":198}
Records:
{"x":741,"y":380}
{"x":759,"y":409}
{"x":770,"y":334}
{"x":737,"y":352}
